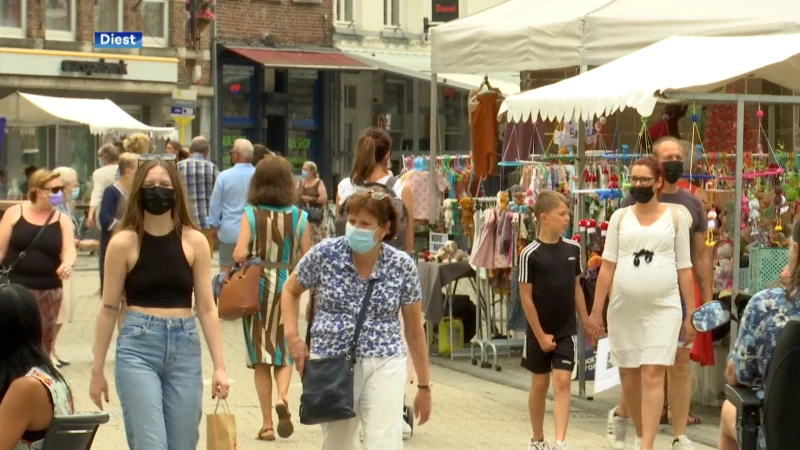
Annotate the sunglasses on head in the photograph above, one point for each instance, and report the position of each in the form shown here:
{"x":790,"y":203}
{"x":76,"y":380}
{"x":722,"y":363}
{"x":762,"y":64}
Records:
{"x":152,"y":157}
{"x":376,"y":195}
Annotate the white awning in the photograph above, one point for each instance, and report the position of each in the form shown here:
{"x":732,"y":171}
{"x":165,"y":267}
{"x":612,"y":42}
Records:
{"x":101,"y":116}
{"x":520,"y":35}
{"x":701,"y":64}
{"x":418,"y":65}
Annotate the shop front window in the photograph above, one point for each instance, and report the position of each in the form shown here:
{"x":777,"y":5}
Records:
{"x":237,"y":85}
{"x":302,"y":88}
{"x":11,"y":16}
{"x":300,"y":143}
{"x":454,"y":109}
{"x":395,"y":109}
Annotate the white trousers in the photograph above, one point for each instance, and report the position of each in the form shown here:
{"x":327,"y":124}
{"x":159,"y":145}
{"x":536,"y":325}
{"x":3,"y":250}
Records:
{"x":378,"y":391}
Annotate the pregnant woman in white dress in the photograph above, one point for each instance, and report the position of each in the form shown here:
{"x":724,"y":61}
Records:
{"x":646,"y":267}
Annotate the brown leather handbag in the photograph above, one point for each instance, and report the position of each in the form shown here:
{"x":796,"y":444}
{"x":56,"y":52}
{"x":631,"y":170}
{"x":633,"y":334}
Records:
{"x":239,"y":295}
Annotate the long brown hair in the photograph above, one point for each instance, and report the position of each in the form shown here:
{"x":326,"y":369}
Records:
{"x":373,"y":146}
{"x":133,"y":217}
{"x":272,"y":183}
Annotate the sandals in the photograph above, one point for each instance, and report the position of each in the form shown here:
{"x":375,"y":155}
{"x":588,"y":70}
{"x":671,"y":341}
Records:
{"x":666,"y":418}
{"x":266,"y":434}
{"x":285,"y":427}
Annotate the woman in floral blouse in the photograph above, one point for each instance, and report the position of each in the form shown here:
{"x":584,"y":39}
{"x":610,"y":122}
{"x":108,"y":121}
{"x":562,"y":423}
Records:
{"x":340,"y":270}
{"x":766,"y":314}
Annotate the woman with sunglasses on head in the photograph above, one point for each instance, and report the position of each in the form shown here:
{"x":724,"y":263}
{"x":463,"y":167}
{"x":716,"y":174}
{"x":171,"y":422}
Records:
{"x":37,"y":243}
{"x":340,"y":271}
{"x":158,"y":259}
{"x":647,"y":241}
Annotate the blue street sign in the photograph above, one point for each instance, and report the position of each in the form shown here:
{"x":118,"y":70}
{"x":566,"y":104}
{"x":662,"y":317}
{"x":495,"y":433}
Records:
{"x":176,"y":111}
{"x":117,"y":39}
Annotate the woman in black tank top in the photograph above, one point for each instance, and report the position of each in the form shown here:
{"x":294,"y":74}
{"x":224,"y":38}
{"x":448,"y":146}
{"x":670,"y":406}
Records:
{"x":158,"y":259}
{"x":37,"y":246}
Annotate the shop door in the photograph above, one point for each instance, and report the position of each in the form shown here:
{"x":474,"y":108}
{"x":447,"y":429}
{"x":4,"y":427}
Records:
{"x":355,"y":108}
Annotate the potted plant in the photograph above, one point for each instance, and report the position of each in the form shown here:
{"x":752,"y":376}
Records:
{"x":204,"y":15}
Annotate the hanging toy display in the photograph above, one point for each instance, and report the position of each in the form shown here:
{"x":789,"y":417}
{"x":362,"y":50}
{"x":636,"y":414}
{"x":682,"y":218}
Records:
{"x":712,"y":225}
{"x":781,"y":207}
{"x":754,"y":214}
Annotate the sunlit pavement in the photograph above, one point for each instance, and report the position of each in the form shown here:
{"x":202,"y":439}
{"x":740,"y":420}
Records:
{"x":468,"y":413}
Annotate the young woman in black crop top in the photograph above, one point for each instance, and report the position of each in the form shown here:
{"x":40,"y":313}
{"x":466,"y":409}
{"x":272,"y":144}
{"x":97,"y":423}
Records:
{"x":158,"y":259}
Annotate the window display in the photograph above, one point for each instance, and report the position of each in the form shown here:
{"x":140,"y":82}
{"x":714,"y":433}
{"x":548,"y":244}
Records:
{"x":237,"y":85}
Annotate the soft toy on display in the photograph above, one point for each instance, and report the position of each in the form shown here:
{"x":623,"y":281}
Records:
{"x":502,"y":200}
{"x":449,"y":205}
{"x":781,"y":208}
{"x":529,"y":198}
{"x":467,"y":214}
{"x":712,"y":225}
{"x":450,"y":253}
{"x":754,"y":214}
{"x":723,"y":267}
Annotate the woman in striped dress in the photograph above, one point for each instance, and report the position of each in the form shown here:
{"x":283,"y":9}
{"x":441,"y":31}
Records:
{"x":274,"y":230}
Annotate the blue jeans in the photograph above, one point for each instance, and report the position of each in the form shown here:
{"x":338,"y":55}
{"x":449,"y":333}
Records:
{"x":159,"y":381}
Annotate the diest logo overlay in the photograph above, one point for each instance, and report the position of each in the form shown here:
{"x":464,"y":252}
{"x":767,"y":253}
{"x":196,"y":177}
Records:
{"x":117,"y":39}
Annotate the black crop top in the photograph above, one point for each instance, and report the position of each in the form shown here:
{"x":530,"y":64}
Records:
{"x":162,"y":277}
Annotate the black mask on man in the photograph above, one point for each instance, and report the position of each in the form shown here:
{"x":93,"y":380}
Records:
{"x":673,"y":171}
{"x":158,"y":200}
{"x":642,"y":194}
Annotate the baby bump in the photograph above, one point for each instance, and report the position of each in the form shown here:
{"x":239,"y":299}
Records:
{"x":648,"y":281}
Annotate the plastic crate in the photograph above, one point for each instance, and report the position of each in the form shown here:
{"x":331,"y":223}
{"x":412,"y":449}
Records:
{"x":766,"y":265}
{"x":744,"y":280}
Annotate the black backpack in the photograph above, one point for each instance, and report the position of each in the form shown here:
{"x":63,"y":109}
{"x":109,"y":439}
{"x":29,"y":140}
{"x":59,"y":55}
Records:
{"x":399,"y":240}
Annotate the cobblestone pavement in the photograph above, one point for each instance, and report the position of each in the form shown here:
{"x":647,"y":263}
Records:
{"x":468,"y":413}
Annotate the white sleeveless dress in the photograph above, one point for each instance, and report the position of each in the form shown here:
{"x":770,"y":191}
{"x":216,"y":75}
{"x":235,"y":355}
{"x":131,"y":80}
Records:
{"x":644,"y":313}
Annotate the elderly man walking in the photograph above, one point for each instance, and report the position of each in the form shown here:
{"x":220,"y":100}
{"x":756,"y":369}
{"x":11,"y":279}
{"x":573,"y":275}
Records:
{"x":229,"y":199}
{"x":199,"y":174}
{"x":670,"y":153}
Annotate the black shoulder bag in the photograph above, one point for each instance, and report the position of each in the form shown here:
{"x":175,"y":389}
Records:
{"x":5,"y":272}
{"x":328,"y":382}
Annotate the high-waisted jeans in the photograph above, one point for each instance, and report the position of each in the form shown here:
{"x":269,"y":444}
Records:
{"x":159,"y":381}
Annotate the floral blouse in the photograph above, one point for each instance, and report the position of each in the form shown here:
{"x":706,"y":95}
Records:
{"x":766,"y":314}
{"x":60,"y":395}
{"x":328,"y":268}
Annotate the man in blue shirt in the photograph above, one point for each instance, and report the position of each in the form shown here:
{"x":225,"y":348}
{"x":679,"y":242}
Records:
{"x":228,"y":200}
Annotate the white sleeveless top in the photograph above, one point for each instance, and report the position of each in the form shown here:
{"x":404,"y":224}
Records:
{"x":346,"y":188}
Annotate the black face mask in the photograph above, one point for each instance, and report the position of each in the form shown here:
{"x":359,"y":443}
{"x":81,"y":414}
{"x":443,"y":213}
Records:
{"x":642,"y":194}
{"x":673,"y":171}
{"x":158,"y":200}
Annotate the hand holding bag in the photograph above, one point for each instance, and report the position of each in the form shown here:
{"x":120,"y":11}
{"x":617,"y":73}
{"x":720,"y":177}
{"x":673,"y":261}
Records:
{"x":239,"y":295}
{"x":314,"y":213}
{"x":221,"y":428}
{"x":328,"y":382}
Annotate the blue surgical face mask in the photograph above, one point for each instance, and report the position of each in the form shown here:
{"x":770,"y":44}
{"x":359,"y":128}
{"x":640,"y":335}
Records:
{"x":75,"y":193}
{"x":304,"y":174}
{"x":359,"y":239}
{"x":116,"y":176}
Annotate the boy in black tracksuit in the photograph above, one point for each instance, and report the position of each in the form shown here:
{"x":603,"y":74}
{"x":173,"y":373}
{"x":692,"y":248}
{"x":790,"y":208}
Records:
{"x":550,"y":290}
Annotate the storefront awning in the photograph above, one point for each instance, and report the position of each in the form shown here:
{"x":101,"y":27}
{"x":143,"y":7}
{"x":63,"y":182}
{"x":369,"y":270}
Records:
{"x":418,"y":65}
{"x":301,"y":59}
{"x":101,"y":116}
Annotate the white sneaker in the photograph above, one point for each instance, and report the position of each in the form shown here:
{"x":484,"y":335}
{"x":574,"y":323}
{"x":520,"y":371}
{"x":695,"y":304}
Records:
{"x":407,"y":431}
{"x":560,"y":445}
{"x":637,"y":443}
{"x":617,"y":429}
{"x":408,"y":423}
{"x":539,"y":445}
{"x":682,"y":443}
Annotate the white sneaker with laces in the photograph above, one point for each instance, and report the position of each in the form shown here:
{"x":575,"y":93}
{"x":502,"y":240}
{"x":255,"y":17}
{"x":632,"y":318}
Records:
{"x":407,"y":431}
{"x":682,"y":443}
{"x":560,"y":445}
{"x":637,"y":443}
{"x":539,"y":445}
{"x":617,"y":429}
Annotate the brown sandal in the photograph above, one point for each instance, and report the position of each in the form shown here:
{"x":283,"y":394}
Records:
{"x":266,"y":434}
{"x":285,"y":427}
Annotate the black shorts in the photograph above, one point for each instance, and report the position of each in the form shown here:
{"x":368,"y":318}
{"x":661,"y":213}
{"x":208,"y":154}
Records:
{"x":539,"y":362}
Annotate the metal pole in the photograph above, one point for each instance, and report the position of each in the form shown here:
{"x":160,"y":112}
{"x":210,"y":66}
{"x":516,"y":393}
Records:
{"x":216,"y":116}
{"x":737,"y":212}
{"x":55,"y":149}
{"x":415,"y":114}
{"x":581,"y":340}
{"x":434,"y":140}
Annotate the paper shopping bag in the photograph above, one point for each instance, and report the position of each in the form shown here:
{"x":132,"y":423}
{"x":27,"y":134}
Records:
{"x":221,"y":427}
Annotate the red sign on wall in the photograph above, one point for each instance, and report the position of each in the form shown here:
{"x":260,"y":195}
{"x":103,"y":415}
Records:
{"x":444,"y":10}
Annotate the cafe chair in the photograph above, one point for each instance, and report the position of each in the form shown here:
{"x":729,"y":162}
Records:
{"x":779,"y":411}
{"x":74,"y":432}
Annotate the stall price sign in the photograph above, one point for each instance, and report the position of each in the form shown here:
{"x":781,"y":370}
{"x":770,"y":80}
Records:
{"x":444,"y":10}
{"x":436,"y":241}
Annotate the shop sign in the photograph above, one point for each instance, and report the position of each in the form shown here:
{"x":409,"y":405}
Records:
{"x":444,"y":10}
{"x":94,"y":67}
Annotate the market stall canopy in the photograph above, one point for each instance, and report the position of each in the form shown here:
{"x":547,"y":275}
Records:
{"x":701,"y":64}
{"x":101,"y":116}
{"x":523,"y":35}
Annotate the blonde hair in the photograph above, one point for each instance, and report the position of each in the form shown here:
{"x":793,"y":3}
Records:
{"x":137,"y":143}
{"x":67,"y":174}
{"x":547,"y":201}
{"x":128,"y":161}
{"x":39,"y":180}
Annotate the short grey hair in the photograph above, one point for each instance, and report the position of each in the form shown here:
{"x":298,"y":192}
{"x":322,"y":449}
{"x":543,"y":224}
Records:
{"x":109,"y":153}
{"x":244,"y":148}
{"x":313,"y":166}
{"x":68,"y":175}
{"x":199,"y":145}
